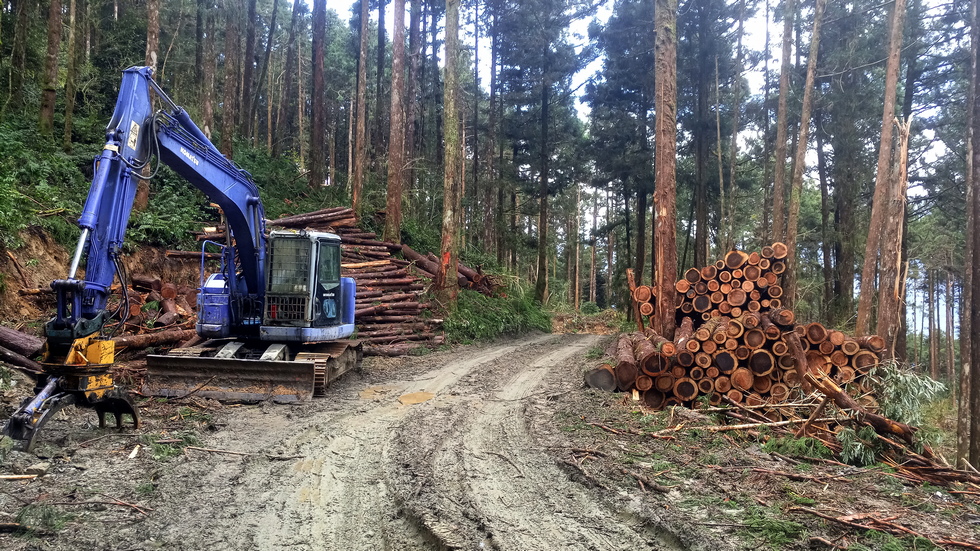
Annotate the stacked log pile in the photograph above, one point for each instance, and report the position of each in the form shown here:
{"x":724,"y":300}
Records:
{"x":734,"y":342}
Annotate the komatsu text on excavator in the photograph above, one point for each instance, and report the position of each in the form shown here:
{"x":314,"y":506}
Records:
{"x":275,"y":316}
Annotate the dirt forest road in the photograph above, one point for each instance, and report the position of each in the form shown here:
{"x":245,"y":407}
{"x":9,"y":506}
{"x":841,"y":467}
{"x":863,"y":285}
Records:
{"x":461,"y":469}
{"x":460,"y":449}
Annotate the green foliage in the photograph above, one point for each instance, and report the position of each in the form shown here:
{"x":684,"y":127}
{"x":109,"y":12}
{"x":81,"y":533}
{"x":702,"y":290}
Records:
{"x":903,"y":394}
{"x":884,"y":541}
{"x":167,"y":450}
{"x":797,"y":447}
{"x":38,"y":516}
{"x":480,"y":318}
{"x":39,"y":184}
{"x":859,"y":447}
{"x":422,"y":236}
{"x":589,"y":308}
{"x":6,"y":377}
{"x":775,"y":532}
{"x":594,"y":353}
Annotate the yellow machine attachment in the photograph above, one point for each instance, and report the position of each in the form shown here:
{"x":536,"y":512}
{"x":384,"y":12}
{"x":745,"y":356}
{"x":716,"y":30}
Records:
{"x":79,"y":377}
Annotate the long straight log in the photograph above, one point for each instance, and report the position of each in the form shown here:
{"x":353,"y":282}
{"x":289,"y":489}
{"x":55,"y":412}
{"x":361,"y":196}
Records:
{"x":20,"y":342}
{"x":388,"y":306}
{"x":346,"y":240}
{"x":372,"y":264}
{"x":19,"y":361}
{"x":397,"y":338}
{"x":390,"y":274}
{"x":320,"y":216}
{"x":389,"y":319}
{"x":388,"y":332}
{"x":147,"y":340}
{"x":381,"y":297}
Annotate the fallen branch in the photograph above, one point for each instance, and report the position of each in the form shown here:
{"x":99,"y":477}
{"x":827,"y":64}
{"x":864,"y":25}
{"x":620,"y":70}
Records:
{"x":880,"y":423}
{"x":509,"y":460}
{"x":644,"y":481}
{"x":116,"y":503}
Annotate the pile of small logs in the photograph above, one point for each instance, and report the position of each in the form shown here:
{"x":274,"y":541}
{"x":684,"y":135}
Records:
{"x":734,"y":342}
{"x":158,"y":314}
{"x":391,"y":316}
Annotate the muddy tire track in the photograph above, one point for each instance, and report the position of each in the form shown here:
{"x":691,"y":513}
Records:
{"x":360,"y":470}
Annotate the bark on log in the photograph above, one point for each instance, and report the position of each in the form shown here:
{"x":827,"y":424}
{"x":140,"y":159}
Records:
{"x":147,"y":340}
{"x":880,"y":423}
{"x":602,"y":378}
{"x":146,"y":282}
{"x":20,"y":342}
{"x":20,"y":362}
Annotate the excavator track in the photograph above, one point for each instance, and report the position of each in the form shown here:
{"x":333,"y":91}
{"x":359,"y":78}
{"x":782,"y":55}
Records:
{"x":234,"y":371}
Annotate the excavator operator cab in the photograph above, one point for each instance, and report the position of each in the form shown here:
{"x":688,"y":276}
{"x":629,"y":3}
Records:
{"x":305,"y":298}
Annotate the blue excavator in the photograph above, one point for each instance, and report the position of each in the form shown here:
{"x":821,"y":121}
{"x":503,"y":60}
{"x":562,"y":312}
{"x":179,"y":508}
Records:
{"x":274,"y":317}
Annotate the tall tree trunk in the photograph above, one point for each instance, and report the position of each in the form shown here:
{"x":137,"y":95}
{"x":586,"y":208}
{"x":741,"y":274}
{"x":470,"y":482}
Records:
{"x":729,"y":241}
{"x":892,"y":284}
{"x":379,"y":124}
{"x":702,"y":144}
{"x":912,"y":74}
{"x":287,"y":86}
{"x":360,"y":148}
{"x":513,"y":229}
{"x":71,"y":75}
{"x":782,"y":125}
{"x":142,"y":198}
{"x":970,"y":408}
{"x":18,"y":64}
{"x":577,"y":279}
{"x":964,"y":409}
{"x":269,"y":102}
{"x":950,"y":357}
{"x":665,"y":195}
{"x":248,"y":62}
{"x":610,"y":248}
{"x":796,"y":192}
{"x":152,"y":33}
{"x":445,"y":282}
{"x":203,"y":7}
{"x":232,"y":72}
{"x":301,"y":104}
{"x":641,"y":230}
{"x":492,"y":210}
{"x":541,"y":283}
{"x":411,"y":101}
{"x":49,"y":90}
{"x":396,"y":142}
{"x":933,"y":326}
{"x":593,"y":295}
{"x":880,"y":206}
{"x":266,"y":58}
{"x":208,"y":70}
{"x":317,"y":96}
{"x":825,"y":229}
{"x":767,"y":185}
